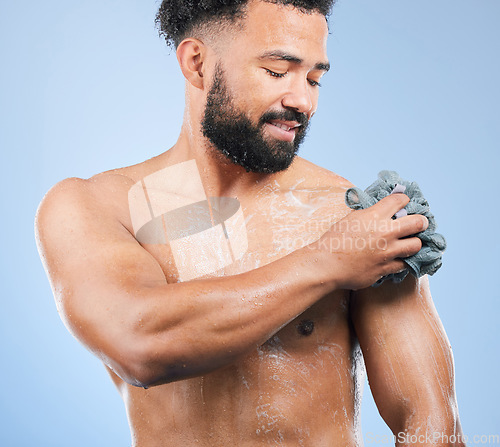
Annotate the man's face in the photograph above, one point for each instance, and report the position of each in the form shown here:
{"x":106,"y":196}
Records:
{"x":232,"y":132}
{"x":259,"y":105}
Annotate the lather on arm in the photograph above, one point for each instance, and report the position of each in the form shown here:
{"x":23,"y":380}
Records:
{"x":409,"y":362}
{"x":113,"y":296}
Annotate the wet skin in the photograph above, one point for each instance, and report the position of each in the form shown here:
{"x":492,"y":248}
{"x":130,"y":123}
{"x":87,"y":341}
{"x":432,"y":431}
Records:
{"x":301,"y":387}
{"x":267,"y":351}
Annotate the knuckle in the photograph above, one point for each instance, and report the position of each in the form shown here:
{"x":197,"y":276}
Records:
{"x":396,"y":226}
{"x":386,"y":257}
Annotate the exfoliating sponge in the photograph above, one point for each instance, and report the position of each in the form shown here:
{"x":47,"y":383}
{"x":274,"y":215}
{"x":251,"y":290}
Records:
{"x":429,"y":259}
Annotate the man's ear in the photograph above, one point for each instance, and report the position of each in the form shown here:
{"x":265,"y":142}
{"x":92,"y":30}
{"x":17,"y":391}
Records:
{"x":191,"y":55}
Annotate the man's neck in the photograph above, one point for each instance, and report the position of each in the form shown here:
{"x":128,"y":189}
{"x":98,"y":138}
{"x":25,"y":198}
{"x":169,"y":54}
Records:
{"x":220,"y":176}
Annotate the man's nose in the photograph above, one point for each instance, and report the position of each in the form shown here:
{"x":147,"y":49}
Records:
{"x":299,"y":98}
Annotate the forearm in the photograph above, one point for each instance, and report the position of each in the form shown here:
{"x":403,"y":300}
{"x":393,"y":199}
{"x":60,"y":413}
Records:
{"x":426,"y":427}
{"x":187,"y":329}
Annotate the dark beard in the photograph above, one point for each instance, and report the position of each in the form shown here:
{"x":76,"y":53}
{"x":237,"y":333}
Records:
{"x":232,"y":133}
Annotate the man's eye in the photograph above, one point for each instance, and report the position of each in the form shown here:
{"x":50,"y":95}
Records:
{"x":274,"y":74}
{"x":314,"y":83}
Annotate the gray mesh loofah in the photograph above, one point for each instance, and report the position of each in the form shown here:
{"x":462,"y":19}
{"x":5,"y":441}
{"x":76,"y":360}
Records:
{"x":429,"y":258}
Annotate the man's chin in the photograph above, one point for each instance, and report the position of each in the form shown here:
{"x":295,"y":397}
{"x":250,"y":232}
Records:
{"x":277,"y":159}
{"x":278,"y":164}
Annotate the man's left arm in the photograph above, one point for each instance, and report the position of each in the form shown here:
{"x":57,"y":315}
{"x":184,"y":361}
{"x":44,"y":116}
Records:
{"x":409,"y":362}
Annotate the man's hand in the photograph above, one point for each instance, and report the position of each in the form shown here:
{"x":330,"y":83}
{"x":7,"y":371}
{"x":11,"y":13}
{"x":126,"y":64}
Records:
{"x":368,"y":244}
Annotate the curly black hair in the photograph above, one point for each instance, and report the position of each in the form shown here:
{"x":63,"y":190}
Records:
{"x":177,"y":18}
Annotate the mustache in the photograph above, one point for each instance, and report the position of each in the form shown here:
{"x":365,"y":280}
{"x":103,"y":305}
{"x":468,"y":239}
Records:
{"x":285,"y":115}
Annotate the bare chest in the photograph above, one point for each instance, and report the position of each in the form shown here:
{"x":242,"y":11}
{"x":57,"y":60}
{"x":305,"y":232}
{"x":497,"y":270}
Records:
{"x":223,"y":236}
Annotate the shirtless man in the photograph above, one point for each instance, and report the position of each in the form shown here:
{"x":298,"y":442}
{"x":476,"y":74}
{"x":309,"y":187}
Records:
{"x":252,"y":329}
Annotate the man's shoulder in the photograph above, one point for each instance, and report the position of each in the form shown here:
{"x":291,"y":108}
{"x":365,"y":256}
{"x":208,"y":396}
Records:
{"x":101,"y":187}
{"x":72,"y":198}
{"x":315,"y":191}
{"x":319,"y":177}
{"x":101,"y":196}
{"x":81,"y":190}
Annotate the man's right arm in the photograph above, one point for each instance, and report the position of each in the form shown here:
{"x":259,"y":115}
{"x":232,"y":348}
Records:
{"x":112,"y":294}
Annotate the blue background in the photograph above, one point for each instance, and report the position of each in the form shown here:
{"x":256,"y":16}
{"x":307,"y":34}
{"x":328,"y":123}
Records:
{"x":87,"y":86}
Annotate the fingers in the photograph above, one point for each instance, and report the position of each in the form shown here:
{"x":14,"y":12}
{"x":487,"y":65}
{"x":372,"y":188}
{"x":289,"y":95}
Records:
{"x":395,"y":266}
{"x":404,"y":248}
{"x":409,"y":225}
{"x":390,"y":205}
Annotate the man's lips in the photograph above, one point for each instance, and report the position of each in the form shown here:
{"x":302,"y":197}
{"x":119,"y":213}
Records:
{"x":283,"y":130}
{"x":285,"y":125}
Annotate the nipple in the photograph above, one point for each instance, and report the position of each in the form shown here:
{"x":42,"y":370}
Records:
{"x":305,"y":327}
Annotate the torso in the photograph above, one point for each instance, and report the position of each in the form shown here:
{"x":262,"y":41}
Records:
{"x":301,"y":387}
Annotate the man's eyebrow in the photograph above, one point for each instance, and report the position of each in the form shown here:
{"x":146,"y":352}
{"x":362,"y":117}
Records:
{"x":325,"y":66}
{"x":283,"y":56}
